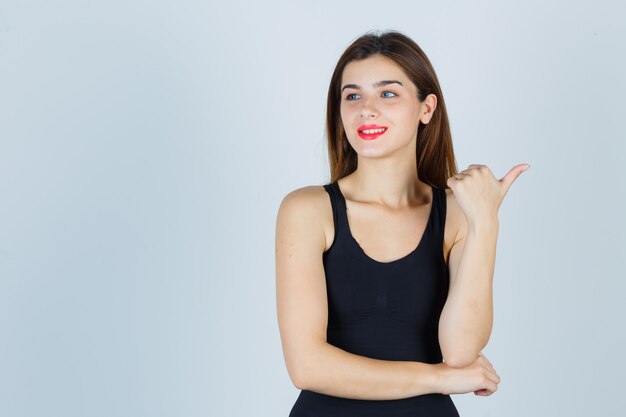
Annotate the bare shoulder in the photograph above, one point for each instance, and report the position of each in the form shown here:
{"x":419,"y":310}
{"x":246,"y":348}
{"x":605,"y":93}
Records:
{"x":456,"y":224}
{"x":308,"y":210}
{"x":309,"y":196}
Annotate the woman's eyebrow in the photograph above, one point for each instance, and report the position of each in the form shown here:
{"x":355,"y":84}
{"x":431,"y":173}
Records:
{"x":375,"y":85}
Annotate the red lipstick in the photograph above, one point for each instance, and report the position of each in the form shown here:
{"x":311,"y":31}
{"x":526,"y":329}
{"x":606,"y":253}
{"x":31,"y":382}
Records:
{"x":370,"y":128}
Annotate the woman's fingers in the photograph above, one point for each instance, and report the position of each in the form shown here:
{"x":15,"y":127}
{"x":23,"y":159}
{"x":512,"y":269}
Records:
{"x":492,"y":378}
{"x":483,"y":392}
{"x":486,"y":360}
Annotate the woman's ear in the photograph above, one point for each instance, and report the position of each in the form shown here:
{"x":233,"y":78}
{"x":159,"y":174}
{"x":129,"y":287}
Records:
{"x":430,"y":103}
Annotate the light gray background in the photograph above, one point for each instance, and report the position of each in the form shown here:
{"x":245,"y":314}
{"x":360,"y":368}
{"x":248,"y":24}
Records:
{"x":145,"y":148}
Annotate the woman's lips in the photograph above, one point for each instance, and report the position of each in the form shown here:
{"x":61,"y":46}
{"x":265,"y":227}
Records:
{"x":370,"y":128}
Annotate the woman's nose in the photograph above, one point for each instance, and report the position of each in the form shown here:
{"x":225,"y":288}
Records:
{"x":368,"y":109}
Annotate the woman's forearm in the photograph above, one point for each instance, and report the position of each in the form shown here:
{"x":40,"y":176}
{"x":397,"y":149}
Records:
{"x":467,"y":318}
{"x":334,"y":371}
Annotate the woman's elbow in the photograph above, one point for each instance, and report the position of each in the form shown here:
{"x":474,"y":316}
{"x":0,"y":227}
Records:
{"x":298,"y":383}
{"x":460,"y":360}
{"x":300,"y":376}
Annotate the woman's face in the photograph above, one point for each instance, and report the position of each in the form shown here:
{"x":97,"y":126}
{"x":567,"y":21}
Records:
{"x":376,"y":94}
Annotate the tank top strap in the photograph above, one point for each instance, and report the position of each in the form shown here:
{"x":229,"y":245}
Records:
{"x":338,"y":206}
{"x":439,"y":216}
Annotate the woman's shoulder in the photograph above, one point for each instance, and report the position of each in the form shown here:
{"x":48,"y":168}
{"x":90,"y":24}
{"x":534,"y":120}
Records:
{"x":310,"y":202}
{"x":307,"y":196}
{"x":307,"y":209}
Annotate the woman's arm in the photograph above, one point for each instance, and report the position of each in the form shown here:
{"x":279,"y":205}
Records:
{"x":330,"y":370}
{"x":467,"y":318}
{"x":312,"y":363}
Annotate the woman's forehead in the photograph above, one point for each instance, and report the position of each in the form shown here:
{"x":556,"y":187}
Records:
{"x":366,"y":72}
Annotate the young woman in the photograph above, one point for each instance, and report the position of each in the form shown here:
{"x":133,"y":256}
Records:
{"x":384,"y":274}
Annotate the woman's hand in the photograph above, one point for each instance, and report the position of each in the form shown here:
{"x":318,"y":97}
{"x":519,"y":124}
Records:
{"x":479,"y":377}
{"x":479,"y":193}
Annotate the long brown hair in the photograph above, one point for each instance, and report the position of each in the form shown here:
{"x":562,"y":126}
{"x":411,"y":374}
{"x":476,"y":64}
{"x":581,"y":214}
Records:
{"x":435,"y":155}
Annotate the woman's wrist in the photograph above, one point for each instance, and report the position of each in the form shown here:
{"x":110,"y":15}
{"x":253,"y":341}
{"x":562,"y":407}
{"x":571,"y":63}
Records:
{"x":440,"y":372}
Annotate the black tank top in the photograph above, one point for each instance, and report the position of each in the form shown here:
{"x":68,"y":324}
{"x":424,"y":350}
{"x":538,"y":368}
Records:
{"x":384,"y":310}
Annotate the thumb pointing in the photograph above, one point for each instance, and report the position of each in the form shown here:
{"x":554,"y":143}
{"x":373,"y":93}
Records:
{"x":512,"y":175}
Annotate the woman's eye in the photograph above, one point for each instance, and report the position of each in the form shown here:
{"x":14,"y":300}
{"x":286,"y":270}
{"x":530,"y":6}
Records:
{"x":354,"y":96}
